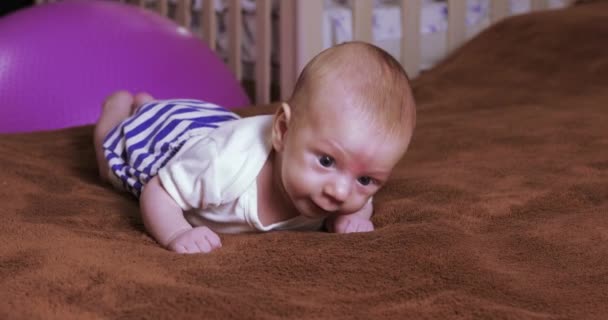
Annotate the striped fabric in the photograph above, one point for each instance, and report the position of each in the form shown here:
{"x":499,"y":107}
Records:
{"x":143,"y":143}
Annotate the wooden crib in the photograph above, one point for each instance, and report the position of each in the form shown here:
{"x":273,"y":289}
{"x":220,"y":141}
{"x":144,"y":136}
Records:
{"x":299,"y":40}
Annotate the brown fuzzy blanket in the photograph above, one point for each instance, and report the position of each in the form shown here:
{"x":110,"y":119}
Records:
{"x":498,"y":211}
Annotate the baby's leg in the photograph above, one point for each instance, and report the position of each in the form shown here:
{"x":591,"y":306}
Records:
{"x":116,"y":108}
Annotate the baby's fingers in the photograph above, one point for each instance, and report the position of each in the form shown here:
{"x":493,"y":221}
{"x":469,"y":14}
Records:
{"x":208,"y":244}
{"x":365,"y":227}
{"x":178,"y":249}
{"x":186,"y":248}
{"x":203,"y":245}
{"x":351,"y":226}
{"x":343,"y":227}
{"x":214,"y":240}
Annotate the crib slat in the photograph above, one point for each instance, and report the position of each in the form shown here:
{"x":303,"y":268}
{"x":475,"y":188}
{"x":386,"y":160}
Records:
{"x":410,"y":41}
{"x":162,"y":6}
{"x":310,"y":43}
{"x":234,"y":30}
{"x":287,"y":43}
{"x":209,"y":24}
{"x":538,"y":5}
{"x":263,"y":44}
{"x":362,"y":20}
{"x":457,"y":13}
{"x":499,"y":9}
{"x":184,"y":13}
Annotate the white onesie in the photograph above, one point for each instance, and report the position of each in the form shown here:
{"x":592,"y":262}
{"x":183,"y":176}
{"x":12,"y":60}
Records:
{"x":213,"y":178}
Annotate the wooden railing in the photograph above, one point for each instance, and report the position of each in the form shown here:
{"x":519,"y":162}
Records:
{"x":300,"y":37}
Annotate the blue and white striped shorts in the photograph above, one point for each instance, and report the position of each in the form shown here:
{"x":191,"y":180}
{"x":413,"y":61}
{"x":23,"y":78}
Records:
{"x":143,"y":143}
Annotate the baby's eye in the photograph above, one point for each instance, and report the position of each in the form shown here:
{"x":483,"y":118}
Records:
{"x":364,"y":180}
{"x":326,"y":161}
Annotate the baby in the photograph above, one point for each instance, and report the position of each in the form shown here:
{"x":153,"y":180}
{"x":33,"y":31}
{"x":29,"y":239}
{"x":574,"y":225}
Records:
{"x":199,"y":169}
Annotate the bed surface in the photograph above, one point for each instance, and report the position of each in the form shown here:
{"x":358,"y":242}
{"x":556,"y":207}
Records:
{"x":499,"y":210}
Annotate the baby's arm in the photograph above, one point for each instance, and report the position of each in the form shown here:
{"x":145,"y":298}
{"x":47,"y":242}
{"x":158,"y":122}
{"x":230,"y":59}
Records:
{"x":355,"y":222}
{"x":165,"y":221}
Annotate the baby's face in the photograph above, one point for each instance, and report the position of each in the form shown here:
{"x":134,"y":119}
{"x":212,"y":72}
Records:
{"x":333,"y":163}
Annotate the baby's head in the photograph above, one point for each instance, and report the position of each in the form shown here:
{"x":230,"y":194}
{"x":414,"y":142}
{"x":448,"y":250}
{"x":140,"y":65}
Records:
{"x":347,"y":124}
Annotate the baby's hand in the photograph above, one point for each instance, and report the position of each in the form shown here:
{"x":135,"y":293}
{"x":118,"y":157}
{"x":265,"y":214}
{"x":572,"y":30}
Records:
{"x":195,"y":240}
{"x":352,"y":223}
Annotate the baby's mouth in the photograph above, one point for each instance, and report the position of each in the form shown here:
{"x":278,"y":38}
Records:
{"x":320,"y":210}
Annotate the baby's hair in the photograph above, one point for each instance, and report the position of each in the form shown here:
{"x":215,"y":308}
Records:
{"x":377,"y":85}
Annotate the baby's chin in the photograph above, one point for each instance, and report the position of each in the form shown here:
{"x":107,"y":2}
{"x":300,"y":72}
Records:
{"x":311,"y":210}
{"x":314,"y":211}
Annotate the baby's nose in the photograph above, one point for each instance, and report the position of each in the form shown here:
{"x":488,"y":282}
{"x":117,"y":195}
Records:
{"x":338,"y":189}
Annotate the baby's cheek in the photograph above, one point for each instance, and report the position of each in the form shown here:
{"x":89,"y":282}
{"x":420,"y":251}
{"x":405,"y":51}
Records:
{"x":298,"y":181}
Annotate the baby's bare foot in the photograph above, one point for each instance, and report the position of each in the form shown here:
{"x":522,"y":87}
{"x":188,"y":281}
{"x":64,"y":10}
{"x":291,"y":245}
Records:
{"x":140,"y":99}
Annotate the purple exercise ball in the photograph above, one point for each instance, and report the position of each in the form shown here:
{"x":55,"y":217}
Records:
{"x":59,"y":61}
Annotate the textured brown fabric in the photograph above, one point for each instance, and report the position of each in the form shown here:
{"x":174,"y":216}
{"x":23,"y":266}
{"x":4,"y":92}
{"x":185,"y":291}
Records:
{"x":498,"y":211}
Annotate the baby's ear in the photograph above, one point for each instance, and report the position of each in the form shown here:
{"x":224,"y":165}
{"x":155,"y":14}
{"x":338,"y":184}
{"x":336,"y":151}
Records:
{"x":280,"y":124}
